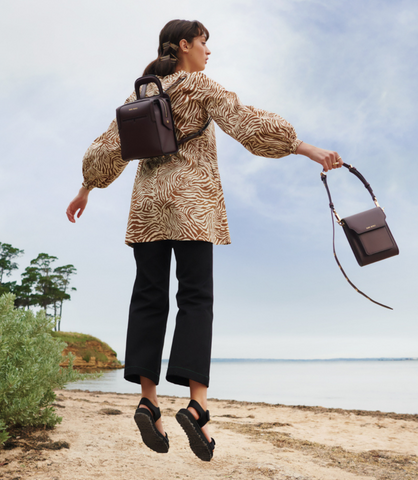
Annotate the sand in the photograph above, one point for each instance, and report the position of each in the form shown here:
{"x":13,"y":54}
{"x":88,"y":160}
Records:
{"x":98,"y":438}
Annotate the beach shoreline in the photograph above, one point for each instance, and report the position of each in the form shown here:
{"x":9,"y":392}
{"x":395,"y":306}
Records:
{"x":98,"y":437}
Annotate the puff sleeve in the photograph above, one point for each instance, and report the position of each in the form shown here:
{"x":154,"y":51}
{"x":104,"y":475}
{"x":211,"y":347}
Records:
{"x":102,"y":162}
{"x":262,"y":133}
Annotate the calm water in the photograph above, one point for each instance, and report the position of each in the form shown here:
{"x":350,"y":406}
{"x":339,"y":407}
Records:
{"x":388,"y":386}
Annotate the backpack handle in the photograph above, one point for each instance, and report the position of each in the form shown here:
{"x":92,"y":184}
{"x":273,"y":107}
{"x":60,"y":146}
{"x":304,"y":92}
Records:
{"x":144,"y":81}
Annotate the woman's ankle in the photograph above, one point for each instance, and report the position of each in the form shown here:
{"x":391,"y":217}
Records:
{"x":149,"y":390}
{"x":199,"y":393}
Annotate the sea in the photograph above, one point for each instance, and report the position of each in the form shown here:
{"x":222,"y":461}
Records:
{"x":387,"y":385}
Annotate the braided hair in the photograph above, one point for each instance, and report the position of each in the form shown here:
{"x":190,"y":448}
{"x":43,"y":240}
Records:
{"x":170,"y":37}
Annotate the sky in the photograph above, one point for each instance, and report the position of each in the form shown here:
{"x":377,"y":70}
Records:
{"x":342,"y":73}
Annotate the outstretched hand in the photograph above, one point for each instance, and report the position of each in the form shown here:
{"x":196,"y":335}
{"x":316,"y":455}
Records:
{"x":328,"y":159}
{"x":78,"y":205}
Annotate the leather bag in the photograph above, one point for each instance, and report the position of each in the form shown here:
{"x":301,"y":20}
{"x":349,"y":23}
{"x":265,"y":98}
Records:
{"x":367,"y":232}
{"x":146,"y":126}
{"x":369,"y":236}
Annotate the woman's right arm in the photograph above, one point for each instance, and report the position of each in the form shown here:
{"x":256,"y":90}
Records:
{"x":78,"y":204}
{"x":102,"y":162}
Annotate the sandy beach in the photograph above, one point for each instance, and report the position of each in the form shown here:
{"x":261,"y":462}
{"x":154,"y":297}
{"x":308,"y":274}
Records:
{"x":98,"y":438}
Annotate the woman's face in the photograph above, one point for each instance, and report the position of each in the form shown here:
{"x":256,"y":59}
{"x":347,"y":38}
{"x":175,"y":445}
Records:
{"x":198,"y":54}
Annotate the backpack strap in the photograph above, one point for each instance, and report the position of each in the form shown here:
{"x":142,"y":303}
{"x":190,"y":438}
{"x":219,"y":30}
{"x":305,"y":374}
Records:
{"x":196,"y":134}
{"x":199,"y":132}
{"x":191,"y":136}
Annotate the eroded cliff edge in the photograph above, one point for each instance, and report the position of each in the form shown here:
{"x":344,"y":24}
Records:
{"x":90,"y":352}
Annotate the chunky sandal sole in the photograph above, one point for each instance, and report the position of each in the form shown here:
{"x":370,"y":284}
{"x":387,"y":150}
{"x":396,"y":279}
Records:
{"x":197,"y":440}
{"x":152,"y":438}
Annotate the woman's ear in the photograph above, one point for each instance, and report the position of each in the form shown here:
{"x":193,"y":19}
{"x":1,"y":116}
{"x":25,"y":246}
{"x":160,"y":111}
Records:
{"x":184,"y":46}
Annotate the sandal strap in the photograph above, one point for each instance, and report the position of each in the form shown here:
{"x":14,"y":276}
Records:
{"x":203,"y":416}
{"x":156,"y":413}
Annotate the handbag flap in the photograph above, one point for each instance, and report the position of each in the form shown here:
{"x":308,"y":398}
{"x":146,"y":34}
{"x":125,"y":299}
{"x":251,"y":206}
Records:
{"x":366,"y":221}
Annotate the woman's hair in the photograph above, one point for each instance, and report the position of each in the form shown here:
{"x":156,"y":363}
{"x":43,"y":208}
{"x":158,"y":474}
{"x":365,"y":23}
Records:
{"x":170,"y":36}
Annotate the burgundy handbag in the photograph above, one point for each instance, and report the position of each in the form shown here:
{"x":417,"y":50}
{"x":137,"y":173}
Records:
{"x":367,"y":232}
{"x":146,"y":127}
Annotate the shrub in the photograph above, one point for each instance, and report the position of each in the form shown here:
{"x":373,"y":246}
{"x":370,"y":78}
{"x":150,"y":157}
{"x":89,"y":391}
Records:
{"x":29,"y":368}
{"x":101,"y":357}
{"x":3,"y":434}
{"x":86,"y":356}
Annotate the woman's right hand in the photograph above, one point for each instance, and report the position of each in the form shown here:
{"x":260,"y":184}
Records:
{"x":78,"y":204}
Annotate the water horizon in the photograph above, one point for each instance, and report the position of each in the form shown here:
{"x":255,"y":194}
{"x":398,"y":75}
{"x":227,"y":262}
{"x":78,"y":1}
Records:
{"x":384,"y":384}
{"x":343,"y":359}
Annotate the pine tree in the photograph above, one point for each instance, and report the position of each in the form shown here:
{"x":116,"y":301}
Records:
{"x":41,"y":285}
{"x":7,"y":254}
{"x":62,"y":279}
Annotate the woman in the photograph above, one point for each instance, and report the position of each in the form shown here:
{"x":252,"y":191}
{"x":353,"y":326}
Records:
{"x":178,"y":205}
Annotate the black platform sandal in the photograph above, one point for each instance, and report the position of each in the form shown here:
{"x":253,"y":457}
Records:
{"x":145,"y":420}
{"x":199,"y":444}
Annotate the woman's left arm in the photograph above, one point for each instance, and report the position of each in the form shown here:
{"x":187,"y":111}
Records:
{"x":263,"y":133}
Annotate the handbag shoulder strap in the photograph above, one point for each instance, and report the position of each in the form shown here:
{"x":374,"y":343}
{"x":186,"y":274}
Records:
{"x":334,"y":213}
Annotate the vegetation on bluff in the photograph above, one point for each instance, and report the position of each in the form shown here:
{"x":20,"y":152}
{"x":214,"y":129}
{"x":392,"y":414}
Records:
{"x":90,"y":353}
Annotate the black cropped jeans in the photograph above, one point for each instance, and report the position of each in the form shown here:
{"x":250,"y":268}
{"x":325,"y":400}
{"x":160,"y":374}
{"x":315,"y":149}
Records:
{"x":191,"y":348}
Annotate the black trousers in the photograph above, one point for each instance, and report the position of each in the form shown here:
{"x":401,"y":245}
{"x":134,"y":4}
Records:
{"x":192,"y":342}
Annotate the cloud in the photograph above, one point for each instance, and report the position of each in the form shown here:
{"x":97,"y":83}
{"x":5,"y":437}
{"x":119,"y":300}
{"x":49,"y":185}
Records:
{"x":343,"y":73}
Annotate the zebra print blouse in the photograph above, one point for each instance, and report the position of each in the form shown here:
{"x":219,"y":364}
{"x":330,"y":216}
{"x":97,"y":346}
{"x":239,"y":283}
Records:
{"x":182,"y":199}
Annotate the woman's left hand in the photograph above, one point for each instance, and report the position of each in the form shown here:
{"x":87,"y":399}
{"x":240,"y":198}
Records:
{"x":328,"y":159}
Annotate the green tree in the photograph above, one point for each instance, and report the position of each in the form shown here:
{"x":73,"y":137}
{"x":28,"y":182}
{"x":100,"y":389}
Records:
{"x":25,"y":296}
{"x":7,"y":287}
{"x":44,"y":284}
{"x":62,"y":277}
{"x":41,"y":285}
{"x":7,"y":265}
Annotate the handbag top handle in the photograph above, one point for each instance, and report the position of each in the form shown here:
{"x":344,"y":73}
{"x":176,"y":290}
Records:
{"x":331,"y":206}
{"x":355,"y":172}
